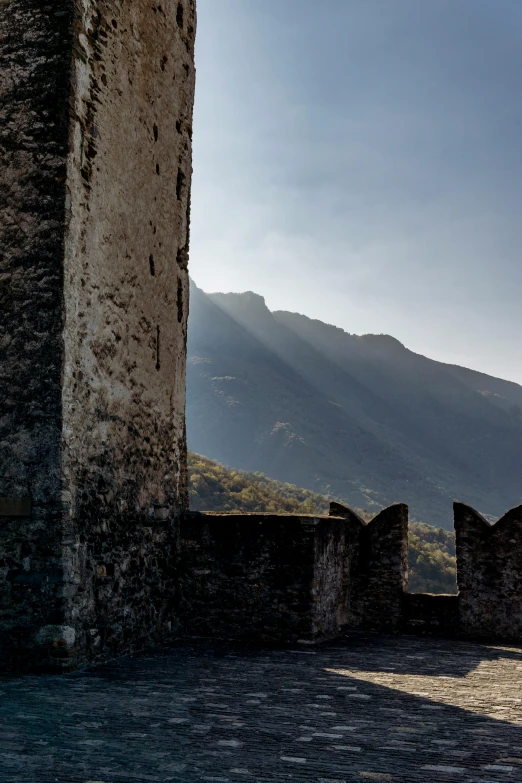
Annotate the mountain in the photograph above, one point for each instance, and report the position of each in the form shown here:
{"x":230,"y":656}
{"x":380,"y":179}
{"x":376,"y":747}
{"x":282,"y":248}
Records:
{"x":431,"y":552}
{"x":360,"y":418}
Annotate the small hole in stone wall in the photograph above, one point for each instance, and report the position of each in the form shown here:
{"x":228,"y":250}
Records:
{"x":179,"y":15}
{"x":156,"y":132}
{"x":115,"y":24}
{"x":158,"y":365}
{"x":157,"y":169}
{"x":151,"y":264}
{"x":179,"y":184}
{"x":180,"y":301}
{"x":164,"y":61}
{"x":178,"y":126}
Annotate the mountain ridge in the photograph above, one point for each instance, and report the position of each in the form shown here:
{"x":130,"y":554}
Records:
{"x":360,"y":417}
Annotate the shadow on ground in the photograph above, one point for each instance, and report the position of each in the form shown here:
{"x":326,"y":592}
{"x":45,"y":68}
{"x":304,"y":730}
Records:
{"x":370,"y":708}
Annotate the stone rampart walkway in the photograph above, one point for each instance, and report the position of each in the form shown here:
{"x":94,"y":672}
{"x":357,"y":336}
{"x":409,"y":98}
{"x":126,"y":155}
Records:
{"x":371,"y":708}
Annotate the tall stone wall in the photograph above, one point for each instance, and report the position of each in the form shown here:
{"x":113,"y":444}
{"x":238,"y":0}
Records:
{"x":489,"y":574}
{"x":265,"y":577}
{"x":97,"y":103}
{"x":35,"y":57}
{"x":126,"y":309}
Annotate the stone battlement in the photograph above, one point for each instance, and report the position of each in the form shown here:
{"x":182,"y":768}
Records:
{"x":294,"y":578}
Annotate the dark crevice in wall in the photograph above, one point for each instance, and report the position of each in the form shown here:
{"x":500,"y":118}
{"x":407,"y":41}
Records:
{"x":158,"y":363}
{"x":179,"y":184}
{"x":180,"y":301}
{"x":183,"y":252}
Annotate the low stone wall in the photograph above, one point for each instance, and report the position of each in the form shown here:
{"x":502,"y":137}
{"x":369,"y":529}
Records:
{"x":262,"y":576}
{"x":292,"y":578}
{"x":430,"y":614}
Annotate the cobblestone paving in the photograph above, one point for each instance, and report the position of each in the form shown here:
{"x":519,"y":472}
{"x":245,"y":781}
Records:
{"x":371,"y":708}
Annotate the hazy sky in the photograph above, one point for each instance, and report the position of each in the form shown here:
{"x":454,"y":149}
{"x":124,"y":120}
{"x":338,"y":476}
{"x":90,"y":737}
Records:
{"x":360,"y":161}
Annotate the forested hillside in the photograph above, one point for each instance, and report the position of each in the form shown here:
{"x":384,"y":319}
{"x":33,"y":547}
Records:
{"x":431,"y":561}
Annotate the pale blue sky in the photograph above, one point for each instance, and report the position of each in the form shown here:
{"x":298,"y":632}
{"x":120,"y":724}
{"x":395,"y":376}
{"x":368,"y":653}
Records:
{"x":360,"y":161}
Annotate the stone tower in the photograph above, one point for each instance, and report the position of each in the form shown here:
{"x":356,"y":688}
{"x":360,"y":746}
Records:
{"x":95,"y":140}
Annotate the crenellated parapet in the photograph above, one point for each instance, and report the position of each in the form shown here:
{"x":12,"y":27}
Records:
{"x":292,"y":578}
{"x":296,"y":578}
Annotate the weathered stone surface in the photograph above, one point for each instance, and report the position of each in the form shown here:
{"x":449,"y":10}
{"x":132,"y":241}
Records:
{"x":35,"y":52}
{"x":56,"y":636}
{"x":126,"y":309}
{"x":489,"y":573}
{"x":35,"y":55}
{"x":289,"y":578}
{"x":377,"y":568}
{"x":262,"y":576}
{"x":368,"y":708}
{"x":331,"y":578}
{"x":429,"y":613}
{"x":292,"y":578}
{"x":96,"y":144}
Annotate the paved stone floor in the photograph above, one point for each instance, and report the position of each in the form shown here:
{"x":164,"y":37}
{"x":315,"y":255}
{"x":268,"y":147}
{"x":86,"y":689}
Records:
{"x":372,"y":708}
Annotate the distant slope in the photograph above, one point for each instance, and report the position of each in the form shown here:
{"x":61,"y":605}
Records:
{"x":213,"y":487}
{"x":360,"y":418}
